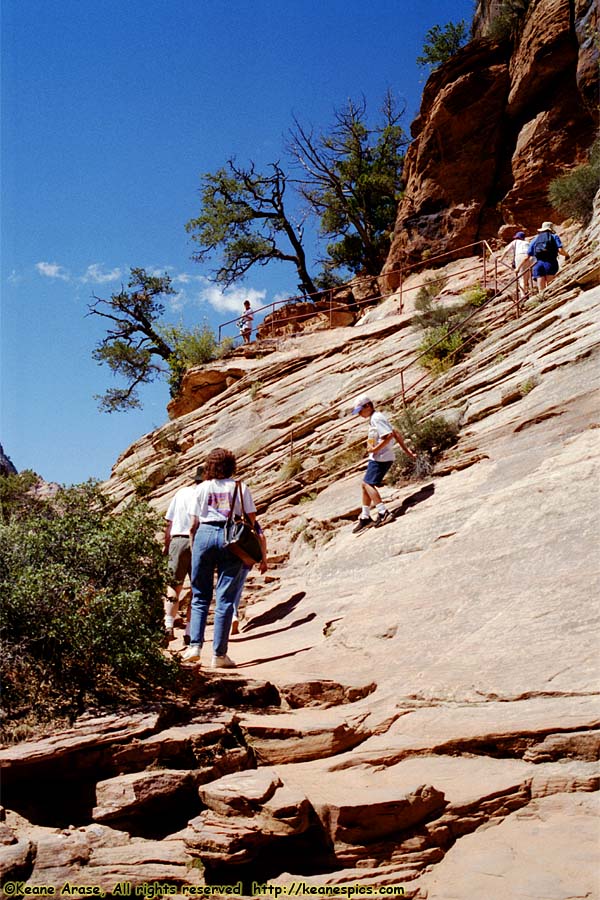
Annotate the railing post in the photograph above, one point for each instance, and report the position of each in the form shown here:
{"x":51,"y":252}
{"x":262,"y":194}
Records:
{"x":330,"y":307}
{"x":401,"y":298}
{"x":402,"y":387}
{"x":484,"y":267}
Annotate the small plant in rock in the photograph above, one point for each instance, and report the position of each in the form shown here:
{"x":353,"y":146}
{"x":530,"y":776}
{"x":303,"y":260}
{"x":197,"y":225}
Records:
{"x":475,"y":296}
{"x":430,"y":289}
{"x":441,"y":348}
{"x":428,"y":434}
{"x":528,"y":385}
{"x":290,"y":468}
{"x":308,"y":498}
{"x":225,"y":348}
{"x":345,"y":458}
{"x":142,"y":486}
{"x":256,"y":390}
{"x":508,"y":21}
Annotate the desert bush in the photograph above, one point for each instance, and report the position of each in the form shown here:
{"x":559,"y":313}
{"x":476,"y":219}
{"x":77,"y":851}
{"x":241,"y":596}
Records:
{"x":192,"y":347}
{"x":226,"y":346}
{"x":508,"y":21}
{"x":82,"y":612}
{"x":573,"y":194}
{"x":475,"y":295}
{"x":17,"y":495}
{"x":441,"y":348}
{"x":256,"y":389}
{"x":290,"y":468}
{"x":428,"y":434}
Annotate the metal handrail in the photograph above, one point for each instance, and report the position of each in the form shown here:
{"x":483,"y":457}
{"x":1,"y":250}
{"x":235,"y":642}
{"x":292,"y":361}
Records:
{"x":299,"y":298}
{"x":498,"y":292}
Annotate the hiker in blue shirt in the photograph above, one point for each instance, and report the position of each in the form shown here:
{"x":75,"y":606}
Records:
{"x":545,"y":248}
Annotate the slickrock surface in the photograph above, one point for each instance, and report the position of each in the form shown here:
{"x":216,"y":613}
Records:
{"x":416,"y":705}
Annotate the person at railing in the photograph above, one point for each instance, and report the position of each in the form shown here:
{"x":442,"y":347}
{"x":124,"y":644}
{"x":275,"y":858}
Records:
{"x":544,"y":249}
{"x":517,"y":254}
{"x":380,"y":442}
{"x":246,"y":322}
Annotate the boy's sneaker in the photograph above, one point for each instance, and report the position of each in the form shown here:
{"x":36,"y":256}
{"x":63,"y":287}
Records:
{"x":382,"y":518}
{"x":192,"y":654}
{"x":223,"y":662}
{"x":361,"y":525}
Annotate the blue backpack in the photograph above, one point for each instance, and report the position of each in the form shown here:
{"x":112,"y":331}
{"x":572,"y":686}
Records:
{"x":545,"y":247}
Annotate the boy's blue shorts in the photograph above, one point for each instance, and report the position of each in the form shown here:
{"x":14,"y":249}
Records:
{"x":376,"y":472}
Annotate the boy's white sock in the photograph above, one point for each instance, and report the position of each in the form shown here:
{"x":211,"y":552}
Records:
{"x":366,"y":512}
{"x":381,"y":508}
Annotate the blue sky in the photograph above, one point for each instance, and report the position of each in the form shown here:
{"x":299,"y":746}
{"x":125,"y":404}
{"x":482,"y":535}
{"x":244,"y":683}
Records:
{"x":111,"y":112}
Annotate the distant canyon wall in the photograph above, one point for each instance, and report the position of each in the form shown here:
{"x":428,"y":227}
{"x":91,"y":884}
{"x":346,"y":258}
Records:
{"x":497,"y":123}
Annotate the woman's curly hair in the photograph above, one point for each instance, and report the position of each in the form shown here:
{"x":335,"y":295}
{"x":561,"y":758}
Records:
{"x":219,"y":463}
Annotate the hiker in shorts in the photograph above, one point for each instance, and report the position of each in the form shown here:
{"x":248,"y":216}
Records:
{"x":178,"y":548}
{"x":544,"y":248}
{"x":380,"y":442}
{"x":246,"y":322}
{"x":517,"y":253}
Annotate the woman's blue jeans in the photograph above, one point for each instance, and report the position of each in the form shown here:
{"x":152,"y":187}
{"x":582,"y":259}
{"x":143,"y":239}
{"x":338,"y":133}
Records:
{"x":210,"y":556}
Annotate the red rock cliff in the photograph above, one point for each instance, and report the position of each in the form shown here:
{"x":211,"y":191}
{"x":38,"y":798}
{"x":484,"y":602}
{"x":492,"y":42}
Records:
{"x":497,"y":123}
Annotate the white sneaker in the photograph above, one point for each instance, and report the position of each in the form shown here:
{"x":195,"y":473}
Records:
{"x":223,"y":662}
{"x":191,"y":653}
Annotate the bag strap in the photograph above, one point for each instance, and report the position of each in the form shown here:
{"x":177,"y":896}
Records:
{"x":232,"y":508}
{"x":238,"y":485}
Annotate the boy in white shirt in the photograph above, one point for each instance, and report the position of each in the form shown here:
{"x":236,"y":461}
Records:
{"x":381,"y":456}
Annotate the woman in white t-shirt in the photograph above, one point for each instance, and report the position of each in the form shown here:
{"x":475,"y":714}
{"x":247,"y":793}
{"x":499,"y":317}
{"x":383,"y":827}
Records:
{"x":516,"y":252}
{"x":209,"y":513}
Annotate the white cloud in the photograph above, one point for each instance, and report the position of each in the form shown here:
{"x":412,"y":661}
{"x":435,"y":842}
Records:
{"x":52,"y":270}
{"x":95,"y":274}
{"x":14,"y":277}
{"x":230,"y":300}
{"x":197,"y":290}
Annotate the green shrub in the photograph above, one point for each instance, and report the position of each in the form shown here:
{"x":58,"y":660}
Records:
{"x":82,"y":595}
{"x":441,"y":349}
{"x":256,"y":389}
{"x":429,"y":435}
{"x":443,"y":42}
{"x":17,"y":495}
{"x":226,"y":346}
{"x":475,"y":295}
{"x":508,"y":21}
{"x":573,"y":194}
{"x":431,"y":288}
{"x":194,"y":347}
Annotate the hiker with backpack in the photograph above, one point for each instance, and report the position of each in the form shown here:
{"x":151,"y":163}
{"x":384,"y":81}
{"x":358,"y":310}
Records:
{"x":544,"y":248}
{"x":380,"y":441}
